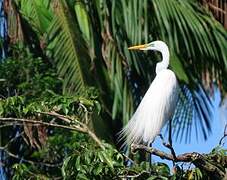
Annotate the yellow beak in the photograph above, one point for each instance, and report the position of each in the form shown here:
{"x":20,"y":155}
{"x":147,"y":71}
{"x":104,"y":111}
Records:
{"x":138,"y":47}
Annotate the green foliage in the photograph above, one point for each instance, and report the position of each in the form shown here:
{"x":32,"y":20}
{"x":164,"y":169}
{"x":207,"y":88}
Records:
{"x":24,"y":74}
{"x":22,"y":171}
{"x":77,"y":157}
{"x":38,"y":13}
{"x":218,"y":157}
{"x":68,"y":45}
{"x":12,"y":107}
{"x":94,"y":163}
{"x":20,"y":106}
{"x":81,"y":159}
{"x":194,"y":174}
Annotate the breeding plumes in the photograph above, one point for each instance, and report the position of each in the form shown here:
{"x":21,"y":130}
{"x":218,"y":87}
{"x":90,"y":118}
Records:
{"x":159,"y":102}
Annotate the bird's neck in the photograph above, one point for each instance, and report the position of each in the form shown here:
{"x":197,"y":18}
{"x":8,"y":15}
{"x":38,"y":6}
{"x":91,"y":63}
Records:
{"x":165,"y":60}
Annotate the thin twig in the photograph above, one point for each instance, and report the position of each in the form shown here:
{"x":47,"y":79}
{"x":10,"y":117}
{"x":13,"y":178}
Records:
{"x":225,"y":135}
{"x":133,"y":176}
{"x":86,"y":113}
{"x":29,"y":161}
{"x":66,"y":119}
{"x":128,"y":158}
{"x":13,"y":139}
{"x":10,"y":124}
{"x":82,"y":128}
{"x":216,"y":8}
{"x":34,"y":122}
{"x":5,"y":149}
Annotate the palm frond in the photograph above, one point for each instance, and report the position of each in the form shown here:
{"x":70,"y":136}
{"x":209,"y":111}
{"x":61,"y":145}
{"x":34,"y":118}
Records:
{"x":117,"y":58}
{"x":69,"y":50}
{"x":193,"y":115}
{"x":193,"y":34}
{"x":38,"y":13}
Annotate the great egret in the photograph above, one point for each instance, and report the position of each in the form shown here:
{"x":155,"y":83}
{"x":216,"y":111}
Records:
{"x":159,"y":102}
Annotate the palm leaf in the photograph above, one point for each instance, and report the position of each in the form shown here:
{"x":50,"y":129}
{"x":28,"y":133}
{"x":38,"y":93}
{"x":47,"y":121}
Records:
{"x":70,"y":50}
{"x":201,"y":38}
{"x":193,"y":115}
{"x":38,"y":13}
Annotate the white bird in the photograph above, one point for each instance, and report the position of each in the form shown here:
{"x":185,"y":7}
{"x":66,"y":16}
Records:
{"x":159,"y":102}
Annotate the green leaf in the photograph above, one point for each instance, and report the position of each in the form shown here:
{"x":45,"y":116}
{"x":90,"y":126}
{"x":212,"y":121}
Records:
{"x":83,"y":19}
{"x":82,"y":176}
{"x":70,"y":50}
{"x":179,"y":69}
{"x":98,"y":170}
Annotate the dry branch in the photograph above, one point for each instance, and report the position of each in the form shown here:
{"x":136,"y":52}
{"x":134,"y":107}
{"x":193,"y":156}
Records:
{"x":73,"y":124}
{"x":29,"y":161}
{"x":5,"y":149}
{"x":81,"y":127}
{"x":34,"y":122}
{"x":197,"y":159}
{"x":224,"y":136}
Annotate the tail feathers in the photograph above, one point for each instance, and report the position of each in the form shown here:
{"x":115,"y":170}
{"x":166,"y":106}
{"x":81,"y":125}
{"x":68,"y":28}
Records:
{"x":135,"y":133}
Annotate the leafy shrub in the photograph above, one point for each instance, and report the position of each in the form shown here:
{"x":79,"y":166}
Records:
{"x":22,"y":73}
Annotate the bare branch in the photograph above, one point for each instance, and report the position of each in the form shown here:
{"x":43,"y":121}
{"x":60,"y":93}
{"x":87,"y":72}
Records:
{"x":66,"y":119}
{"x":151,"y":150}
{"x":12,"y":140}
{"x":168,"y":145}
{"x":133,"y":176}
{"x":5,"y":149}
{"x":225,"y":135}
{"x":35,"y":122}
{"x":81,"y":127}
{"x":216,"y":8}
{"x":10,"y":124}
{"x":197,"y":159}
{"x":29,"y":161}
{"x":128,"y":158}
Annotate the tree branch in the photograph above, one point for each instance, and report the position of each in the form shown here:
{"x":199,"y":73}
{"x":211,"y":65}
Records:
{"x":197,"y":159}
{"x":35,"y":122}
{"x":81,"y":127}
{"x":225,"y":135}
{"x":5,"y":149}
{"x":28,"y":161}
{"x":133,"y":176}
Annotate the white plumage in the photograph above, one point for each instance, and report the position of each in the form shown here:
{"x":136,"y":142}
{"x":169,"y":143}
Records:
{"x":157,"y":105}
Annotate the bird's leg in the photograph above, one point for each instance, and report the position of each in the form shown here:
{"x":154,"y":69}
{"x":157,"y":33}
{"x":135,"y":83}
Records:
{"x":169,"y":144}
{"x":150,"y":157}
{"x":170,"y":133}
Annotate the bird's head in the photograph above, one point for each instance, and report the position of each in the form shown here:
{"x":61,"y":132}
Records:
{"x":155,"y":46}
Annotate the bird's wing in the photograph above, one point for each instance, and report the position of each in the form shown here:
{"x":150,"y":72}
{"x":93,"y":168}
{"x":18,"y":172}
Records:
{"x":156,"y":107}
